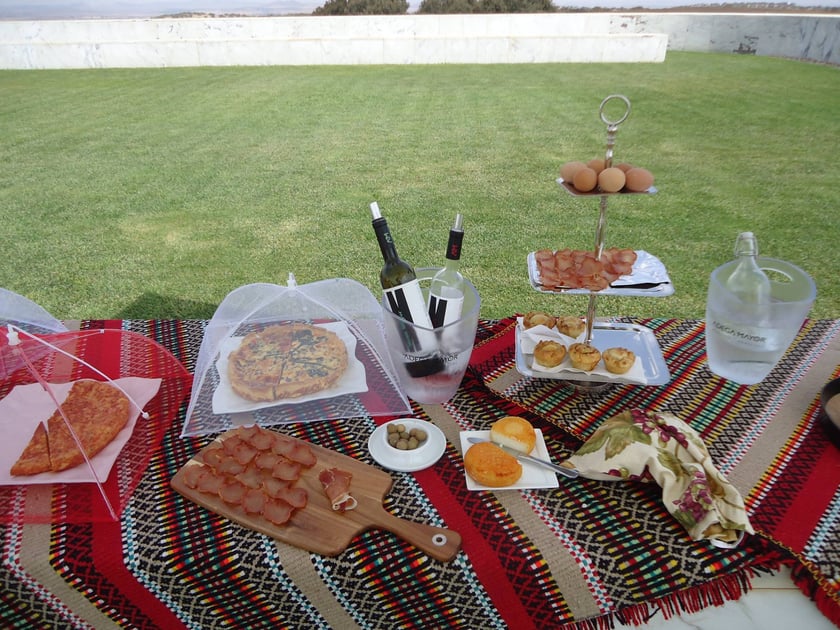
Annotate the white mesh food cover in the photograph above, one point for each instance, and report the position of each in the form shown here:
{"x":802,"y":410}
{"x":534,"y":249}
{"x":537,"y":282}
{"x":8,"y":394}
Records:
{"x":23,"y":312}
{"x":367,"y":386}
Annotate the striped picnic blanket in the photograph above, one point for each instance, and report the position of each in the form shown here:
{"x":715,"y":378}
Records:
{"x":583,"y":554}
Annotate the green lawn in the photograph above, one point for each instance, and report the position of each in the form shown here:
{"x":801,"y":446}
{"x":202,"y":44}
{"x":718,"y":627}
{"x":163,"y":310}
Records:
{"x":154,"y":192}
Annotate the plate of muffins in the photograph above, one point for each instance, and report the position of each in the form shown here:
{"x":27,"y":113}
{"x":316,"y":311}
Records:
{"x":552,"y":347}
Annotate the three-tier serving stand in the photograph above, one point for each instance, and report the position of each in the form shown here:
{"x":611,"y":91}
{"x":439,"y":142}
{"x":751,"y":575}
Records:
{"x":655,"y":367}
{"x":601,"y":230}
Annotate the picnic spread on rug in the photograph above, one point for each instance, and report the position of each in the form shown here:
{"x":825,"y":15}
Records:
{"x":584,"y":551}
{"x":313,"y":457}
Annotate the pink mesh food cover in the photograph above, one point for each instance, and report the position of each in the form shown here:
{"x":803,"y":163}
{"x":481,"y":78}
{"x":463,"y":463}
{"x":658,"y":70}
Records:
{"x":37,"y":372}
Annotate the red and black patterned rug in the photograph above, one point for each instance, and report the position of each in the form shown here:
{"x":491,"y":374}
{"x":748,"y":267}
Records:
{"x":585,"y":554}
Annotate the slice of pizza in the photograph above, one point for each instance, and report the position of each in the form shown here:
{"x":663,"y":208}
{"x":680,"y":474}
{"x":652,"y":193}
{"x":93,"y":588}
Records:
{"x":97,"y":412}
{"x":35,"y":458}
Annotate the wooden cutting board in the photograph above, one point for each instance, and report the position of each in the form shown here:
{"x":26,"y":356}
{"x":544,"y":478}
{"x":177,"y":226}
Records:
{"x":320,"y":529}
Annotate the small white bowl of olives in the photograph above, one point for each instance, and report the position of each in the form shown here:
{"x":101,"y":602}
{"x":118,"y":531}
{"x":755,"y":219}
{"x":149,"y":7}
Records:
{"x":407,"y":444}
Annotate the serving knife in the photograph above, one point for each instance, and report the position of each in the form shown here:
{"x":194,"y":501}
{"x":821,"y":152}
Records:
{"x":566,"y":472}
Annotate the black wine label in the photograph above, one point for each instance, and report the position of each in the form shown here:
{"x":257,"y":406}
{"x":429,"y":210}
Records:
{"x":443,"y":311}
{"x":406,"y":300}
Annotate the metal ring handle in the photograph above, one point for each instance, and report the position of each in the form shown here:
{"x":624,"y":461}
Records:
{"x":603,"y":115}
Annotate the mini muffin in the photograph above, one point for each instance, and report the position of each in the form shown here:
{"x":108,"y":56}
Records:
{"x":549,"y":353}
{"x":538,"y":318}
{"x":570,"y":326}
{"x":514,"y":432}
{"x":584,"y":356}
{"x":619,"y":360}
{"x":490,"y":466}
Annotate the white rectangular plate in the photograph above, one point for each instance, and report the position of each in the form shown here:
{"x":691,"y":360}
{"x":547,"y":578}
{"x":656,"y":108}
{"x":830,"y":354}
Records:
{"x":649,"y":278}
{"x":639,"y":339}
{"x":533,"y":475}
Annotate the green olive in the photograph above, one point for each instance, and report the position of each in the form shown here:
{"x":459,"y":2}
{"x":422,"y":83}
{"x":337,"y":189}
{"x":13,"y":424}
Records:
{"x":404,"y":439}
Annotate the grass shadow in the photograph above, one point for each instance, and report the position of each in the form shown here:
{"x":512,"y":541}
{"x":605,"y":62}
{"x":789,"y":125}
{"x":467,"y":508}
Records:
{"x":156,"y":306}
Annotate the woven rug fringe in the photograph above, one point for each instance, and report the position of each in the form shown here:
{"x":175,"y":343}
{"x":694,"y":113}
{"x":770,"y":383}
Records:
{"x":695,"y":599}
{"x":775,"y":556}
{"x":826,"y":604}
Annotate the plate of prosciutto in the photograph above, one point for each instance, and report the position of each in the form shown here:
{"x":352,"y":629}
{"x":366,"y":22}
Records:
{"x":300,"y":493}
{"x":625,"y":272}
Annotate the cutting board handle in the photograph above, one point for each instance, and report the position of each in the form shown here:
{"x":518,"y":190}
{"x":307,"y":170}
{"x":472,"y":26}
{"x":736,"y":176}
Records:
{"x":438,"y":542}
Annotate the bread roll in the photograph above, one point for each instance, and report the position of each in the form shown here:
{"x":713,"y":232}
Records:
{"x":538,"y":318}
{"x":491,"y":466}
{"x":549,"y":353}
{"x":584,"y":356}
{"x":570,"y":326}
{"x":514,"y":432}
{"x":619,"y":360}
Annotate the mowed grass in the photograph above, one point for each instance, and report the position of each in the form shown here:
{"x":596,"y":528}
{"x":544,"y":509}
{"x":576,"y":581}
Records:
{"x":155,"y":192}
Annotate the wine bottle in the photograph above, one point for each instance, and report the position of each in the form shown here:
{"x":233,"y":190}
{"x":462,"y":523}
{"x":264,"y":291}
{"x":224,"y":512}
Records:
{"x":404,"y":298}
{"x":748,"y":281}
{"x":446,"y":294}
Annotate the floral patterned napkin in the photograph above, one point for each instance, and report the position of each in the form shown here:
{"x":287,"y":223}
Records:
{"x":646,"y":446}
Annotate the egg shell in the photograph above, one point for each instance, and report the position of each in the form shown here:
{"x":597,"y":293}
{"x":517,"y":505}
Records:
{"x":611,"y":179}
{"x":639,"y":179}
{"x":585,"y":179}
{"x":596,"y":165}
{"x":568,"y":170}
{"x":624,"y":166}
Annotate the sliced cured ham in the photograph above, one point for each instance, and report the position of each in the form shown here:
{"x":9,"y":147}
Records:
{"x":284,"y":446}
{"x":266,"y":460}
{"x":295,"y":496}
{"x":214,"y":456}
{"x":253,"y":501}
{"x":232,"y":491}
{"x":580,"y":269}
{"x":210,"y":482}
{"x":244,"y":453}
{"x":262,"y":439}
{"x":276,"y":511}
{"x":303,"y":455}
{"x":274,"y":487}
{"x":192,"y":475}
{"x":286,"y":470}
{"x":336,"y":484}
{"x":251,"y":477}
{"x":293,"y":450}
{"x":229,"y":466}
{"x":256,"y":471}
{"x":248,"y":432}
{"x":230,"y":444}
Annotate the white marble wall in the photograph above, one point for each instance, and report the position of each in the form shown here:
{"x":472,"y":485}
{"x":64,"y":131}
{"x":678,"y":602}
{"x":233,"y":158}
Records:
{"x":404,"y":39}
{"x":800,"y":36}
{"x":309,"y":40}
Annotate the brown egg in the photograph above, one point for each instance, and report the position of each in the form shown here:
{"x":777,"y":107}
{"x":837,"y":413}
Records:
{"x":585,"y":179}
{"x":611,"y":179}
{"x":639,"y":179}
{"x":568,"y":170}
{"x":624,"y":166}
{"x":596,"y":165}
